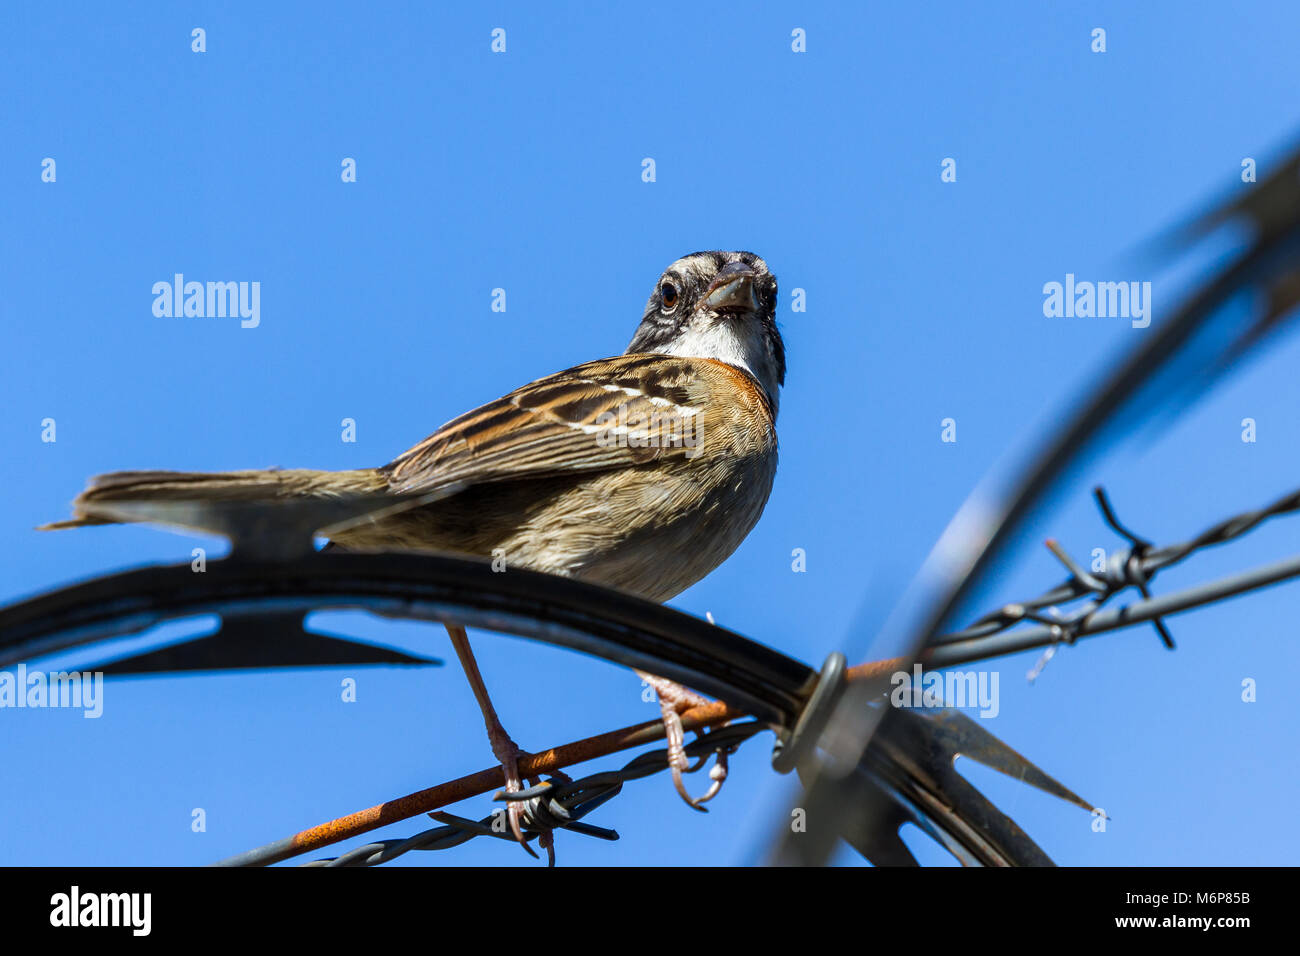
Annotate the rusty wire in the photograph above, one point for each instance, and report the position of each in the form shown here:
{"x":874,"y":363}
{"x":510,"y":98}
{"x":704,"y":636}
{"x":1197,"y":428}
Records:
{"x":559,"y":803}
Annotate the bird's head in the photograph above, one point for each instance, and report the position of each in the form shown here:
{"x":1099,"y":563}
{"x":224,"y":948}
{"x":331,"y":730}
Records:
{"x":719,"y":305}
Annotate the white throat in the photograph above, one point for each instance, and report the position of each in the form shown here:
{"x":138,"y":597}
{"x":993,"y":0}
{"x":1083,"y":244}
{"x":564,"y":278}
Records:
{"x":722,"y":341}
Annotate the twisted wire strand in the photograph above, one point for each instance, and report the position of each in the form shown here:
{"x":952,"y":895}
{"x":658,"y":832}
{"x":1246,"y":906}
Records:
{"x":1121,"y":572}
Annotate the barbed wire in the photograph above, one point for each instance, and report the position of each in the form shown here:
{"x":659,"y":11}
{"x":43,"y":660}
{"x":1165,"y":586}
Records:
{"x":1134,"y":566}
{"x":562,"y":803}
{"x":556,"y":804}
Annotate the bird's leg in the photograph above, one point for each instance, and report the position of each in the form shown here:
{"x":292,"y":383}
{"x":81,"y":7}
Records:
{"x":674,"y":699}
{"x":503,"y":748}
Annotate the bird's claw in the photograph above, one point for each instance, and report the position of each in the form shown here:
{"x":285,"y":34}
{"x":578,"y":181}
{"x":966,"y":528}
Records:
{"x":508,"y":753}
{"x":678,"y":762}
{"x":546,"y":840}
{"x":530,"y":802}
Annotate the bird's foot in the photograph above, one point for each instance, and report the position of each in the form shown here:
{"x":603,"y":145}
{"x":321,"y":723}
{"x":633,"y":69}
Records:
{"x":508,"y":753}
{"x":674,"y":700}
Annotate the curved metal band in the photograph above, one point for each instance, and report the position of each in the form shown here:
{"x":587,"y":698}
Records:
{"x":595,"y":620}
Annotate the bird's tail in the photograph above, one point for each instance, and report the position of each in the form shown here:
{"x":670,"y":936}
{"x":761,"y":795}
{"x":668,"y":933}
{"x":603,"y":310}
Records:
{"x":214,"y":486}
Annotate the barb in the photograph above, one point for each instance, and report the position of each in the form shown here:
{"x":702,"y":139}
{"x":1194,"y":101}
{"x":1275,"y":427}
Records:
{"x":1134,"y":566}
{"x":1110,"y":619}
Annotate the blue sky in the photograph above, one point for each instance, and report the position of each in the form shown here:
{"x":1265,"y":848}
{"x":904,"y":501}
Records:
{"x":522,"y":171}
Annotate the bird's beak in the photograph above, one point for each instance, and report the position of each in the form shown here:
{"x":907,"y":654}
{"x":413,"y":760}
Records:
{"x":732,"y":290}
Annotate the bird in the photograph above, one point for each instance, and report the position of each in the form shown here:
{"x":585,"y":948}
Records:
{"x":642,"y":472}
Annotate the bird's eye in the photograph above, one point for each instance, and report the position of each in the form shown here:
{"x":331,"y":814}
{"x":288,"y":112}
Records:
{"x":668,"y":292}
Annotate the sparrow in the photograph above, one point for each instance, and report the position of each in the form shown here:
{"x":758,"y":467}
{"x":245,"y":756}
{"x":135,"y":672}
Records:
{"x":642,"y":472}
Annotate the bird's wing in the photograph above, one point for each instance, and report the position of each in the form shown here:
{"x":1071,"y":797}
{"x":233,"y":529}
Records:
{"x":613,"y":413}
